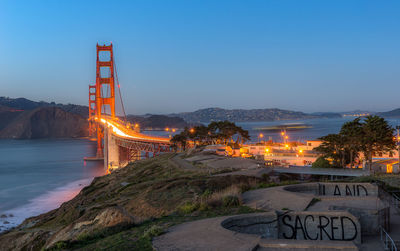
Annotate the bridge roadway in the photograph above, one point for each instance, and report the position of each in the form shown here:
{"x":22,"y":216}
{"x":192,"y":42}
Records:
{"x":322,"y":171}
{"x":121,"y":131}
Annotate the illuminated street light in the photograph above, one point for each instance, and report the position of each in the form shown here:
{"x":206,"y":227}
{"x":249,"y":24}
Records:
{"x":260,"y":136}
{"x":191,"y":130}
{"x":267,"y":150}
{"x":301,"y":151}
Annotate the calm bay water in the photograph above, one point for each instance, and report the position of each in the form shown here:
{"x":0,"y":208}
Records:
{"x":318,"y":128}
{"x":38,"y":175}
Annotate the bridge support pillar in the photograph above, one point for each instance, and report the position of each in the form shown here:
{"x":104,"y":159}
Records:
{"x":111,"y":151}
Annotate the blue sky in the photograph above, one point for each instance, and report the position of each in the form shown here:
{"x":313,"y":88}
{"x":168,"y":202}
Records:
{"x":175,"y":56}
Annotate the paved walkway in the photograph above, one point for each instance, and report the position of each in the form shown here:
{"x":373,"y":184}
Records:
{"x":208,"y":234}
{"x":322,"y":171}
{"x":276,"y":198}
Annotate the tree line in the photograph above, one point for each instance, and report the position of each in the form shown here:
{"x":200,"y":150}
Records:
{"x":221,"y":132}
{"x":370,"y":136}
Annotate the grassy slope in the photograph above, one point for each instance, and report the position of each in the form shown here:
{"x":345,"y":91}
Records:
{"x":152,"y":192}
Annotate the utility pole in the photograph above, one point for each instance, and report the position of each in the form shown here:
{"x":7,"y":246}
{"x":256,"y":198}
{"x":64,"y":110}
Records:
{"x":398,"y":143}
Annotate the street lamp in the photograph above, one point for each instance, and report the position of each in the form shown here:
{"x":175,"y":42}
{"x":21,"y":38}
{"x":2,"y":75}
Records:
{"x":398,"y":142}
{"x":260,"y":137}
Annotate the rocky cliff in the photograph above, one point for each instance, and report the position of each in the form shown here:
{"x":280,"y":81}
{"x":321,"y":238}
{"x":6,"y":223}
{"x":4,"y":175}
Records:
{"x":43,"y":122}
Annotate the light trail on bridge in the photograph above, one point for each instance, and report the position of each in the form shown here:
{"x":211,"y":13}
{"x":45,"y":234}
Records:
{"x":119,"y":129}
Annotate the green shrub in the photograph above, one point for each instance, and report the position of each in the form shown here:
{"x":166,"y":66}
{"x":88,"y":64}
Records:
{"x":153,"y":231}
{"x":188,"y":207}
{"x":321,"y":162}
{"x":265,"y":177}
{"x":231,"y":201}
{"x":230,"y":196}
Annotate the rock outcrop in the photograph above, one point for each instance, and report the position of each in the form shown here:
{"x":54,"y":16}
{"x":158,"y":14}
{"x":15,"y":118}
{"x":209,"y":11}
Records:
{"x":45,"y":122}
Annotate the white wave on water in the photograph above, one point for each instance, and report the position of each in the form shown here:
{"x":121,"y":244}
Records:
{"x":41,"y":204}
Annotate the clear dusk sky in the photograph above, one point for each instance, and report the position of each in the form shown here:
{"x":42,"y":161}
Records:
{"x":175,"y":56}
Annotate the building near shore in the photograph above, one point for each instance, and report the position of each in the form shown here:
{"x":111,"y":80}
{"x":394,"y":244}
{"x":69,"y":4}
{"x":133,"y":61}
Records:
{"x":386,"y":166}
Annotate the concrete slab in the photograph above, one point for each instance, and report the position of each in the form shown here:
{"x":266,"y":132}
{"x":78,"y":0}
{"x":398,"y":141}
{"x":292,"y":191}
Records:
{"x":275,"y":198}
{"x":305,"y":245}
{"x":209,"y":234}
{"x":204,"y":235}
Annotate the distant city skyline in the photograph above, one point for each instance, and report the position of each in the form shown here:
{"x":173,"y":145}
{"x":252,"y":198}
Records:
{"x":181,"y":56}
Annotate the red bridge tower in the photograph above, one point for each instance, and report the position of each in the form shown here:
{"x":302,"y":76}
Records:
{"x":102,"y":95}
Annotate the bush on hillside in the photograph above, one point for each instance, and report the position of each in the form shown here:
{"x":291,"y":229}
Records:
{"x":321,"y":162}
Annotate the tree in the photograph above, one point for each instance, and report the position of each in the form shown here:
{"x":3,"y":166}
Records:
{"x":373,"y":135}
{"x":321,"y":162}
{"x":215,"y":132}
{"x":333,"y":147}
{"x":377,"y":137}
{"x":352,"y":133}
{"x":180,"y":140}
{"x":224,"y":131}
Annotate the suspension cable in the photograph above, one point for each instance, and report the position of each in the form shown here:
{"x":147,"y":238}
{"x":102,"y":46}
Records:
{"x":119,"y":89}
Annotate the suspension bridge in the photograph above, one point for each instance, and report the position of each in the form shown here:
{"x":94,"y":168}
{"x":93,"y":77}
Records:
{"x":118,"y":142}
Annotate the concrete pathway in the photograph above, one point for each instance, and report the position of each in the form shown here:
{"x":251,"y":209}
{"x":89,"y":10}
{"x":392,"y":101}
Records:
{"x":322,"y":171}
{"x":276,"y":198}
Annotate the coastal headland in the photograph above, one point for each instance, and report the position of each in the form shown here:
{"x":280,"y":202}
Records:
{"x":130,"y":207}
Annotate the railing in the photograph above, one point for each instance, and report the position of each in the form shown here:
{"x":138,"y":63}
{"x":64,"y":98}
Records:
{"x":395,"y":201}
{"x":388,"y":242}
{"x":390,"y":197}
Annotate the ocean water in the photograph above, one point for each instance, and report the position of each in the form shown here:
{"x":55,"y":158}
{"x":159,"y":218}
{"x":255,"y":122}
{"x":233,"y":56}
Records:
{"x":37,"y":176}
{"x":317,"y":128}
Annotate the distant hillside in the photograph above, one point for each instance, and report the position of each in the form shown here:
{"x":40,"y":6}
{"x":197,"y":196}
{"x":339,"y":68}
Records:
{"x":390,"y":114}
{"x":43,"y":122}
{"x":241,"y":115}
{"x":26,"y":104}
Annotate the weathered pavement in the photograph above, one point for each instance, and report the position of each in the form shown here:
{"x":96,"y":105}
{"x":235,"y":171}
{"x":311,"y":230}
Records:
{"x":275,"y":198}
{"x":204,"y":235}
{"x":208,"y":234}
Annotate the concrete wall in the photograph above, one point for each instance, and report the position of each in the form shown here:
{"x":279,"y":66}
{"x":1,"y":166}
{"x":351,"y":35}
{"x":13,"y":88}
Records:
{"x":111,"y":154}
{"x":347,"y":189}
{"x":309,"y":188}
{"x":334,"y":226}
{"x":335,"y":189}
{"x":370,"y":220}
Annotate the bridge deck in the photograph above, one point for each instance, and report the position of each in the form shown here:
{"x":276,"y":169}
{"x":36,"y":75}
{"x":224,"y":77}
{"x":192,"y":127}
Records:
{"x":121,"y":131}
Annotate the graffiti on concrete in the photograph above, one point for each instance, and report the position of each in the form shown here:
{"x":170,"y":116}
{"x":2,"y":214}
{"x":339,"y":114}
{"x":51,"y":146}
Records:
{"x":301,"y":226}
{"x":342,"y":190}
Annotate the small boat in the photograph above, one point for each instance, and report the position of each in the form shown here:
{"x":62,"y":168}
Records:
{"x":287,"y":127}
